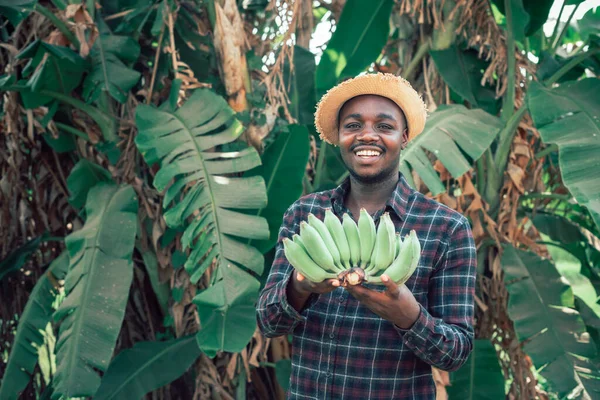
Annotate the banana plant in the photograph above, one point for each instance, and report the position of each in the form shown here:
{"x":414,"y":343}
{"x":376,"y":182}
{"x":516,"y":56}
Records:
{"x":203,"y":195}
{"x":96,"y":288}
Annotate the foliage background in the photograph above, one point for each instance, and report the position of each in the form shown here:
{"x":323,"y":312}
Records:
{"x":150,"y":147}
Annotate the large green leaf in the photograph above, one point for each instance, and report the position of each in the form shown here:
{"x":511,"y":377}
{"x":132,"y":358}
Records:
{"x":145,"y":367}
{"x":449,"y":132}
{"x":32,"y":322}
{"x":480,"y":378}
{"x":84,"y":175}
{"x":109,"y":72}
{"x":50,"y":68}
{"x":569,"y":116}
{"x":197,"y":181}
{"x":16,"y":258}
{"x":589,"y":24}
{"x":541,"y":305}
{"x":283,"y":168}
{"x":528,"y":15}
{"x":359,"y":37}
{"x":300,"y":85}
{"x":96,"y":288}
{"x":16,"y":10}
{"x":463,"y":71}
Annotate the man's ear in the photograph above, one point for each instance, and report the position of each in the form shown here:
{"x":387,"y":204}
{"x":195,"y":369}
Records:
{"x":404,"y":139}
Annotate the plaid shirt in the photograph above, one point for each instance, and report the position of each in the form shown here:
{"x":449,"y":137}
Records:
{"x":340,"y":348}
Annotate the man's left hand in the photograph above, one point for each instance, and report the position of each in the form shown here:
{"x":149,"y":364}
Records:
{"x":396,"y":304}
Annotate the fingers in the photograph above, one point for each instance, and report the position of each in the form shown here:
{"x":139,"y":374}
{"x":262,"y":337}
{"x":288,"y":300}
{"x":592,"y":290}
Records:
{"x":333,"y":282}
{"x":393,"y":290}
{"x":299,"y":276}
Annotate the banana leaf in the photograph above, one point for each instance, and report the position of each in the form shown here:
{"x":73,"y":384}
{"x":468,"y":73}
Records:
{"x":109,"y":72}
{"x":450,"y":133}
{"x":96,"y":288}
{"x":569,"y":116}
{"x":551,"y":331}
{"x":480,"y":378}
{"x":202,"y":195}
{"x":147,"y":366}
{"x":360,"y":35}
{"x":283,"y":167}
{"x":32,"y":322}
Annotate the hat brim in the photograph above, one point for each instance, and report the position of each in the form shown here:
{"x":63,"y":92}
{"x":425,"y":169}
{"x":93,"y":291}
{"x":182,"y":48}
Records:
{"x":391,"y":86}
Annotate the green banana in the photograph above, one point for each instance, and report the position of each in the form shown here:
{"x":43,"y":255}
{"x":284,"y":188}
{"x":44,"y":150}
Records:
{"x":319,"y":225}
{"x":398,"y":244}
{"x":405,"y":264}
{"x":385,"y":245}
{"x":297,"y":239}
{"x":351,"y":231}
{"x":367,"y":233}
{"x":336,"y":230}
{"x":316,"y":248}
{"x":300,"y":260}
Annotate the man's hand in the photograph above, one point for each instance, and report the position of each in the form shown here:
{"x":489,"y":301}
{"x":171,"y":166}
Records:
{"x":305,"y":287}
{"x":396,"y":304}
{"x":299,"y":289}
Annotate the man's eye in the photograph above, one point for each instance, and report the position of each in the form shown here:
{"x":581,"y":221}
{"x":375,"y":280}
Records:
{"x":352,"y":125}
{"x":385,"y":126}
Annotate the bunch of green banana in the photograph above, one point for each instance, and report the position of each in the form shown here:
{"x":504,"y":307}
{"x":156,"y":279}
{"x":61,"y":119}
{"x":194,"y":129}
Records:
{"x":352,"y":252}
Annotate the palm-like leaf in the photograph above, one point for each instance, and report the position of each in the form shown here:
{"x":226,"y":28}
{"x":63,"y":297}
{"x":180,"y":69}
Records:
{"x":541,"y":305}
{"x":449,"y":130}
{"x":569,"y":116}
{"x":97,"y":288}
{"x":198,"y":182}
{"x":32,"y":322}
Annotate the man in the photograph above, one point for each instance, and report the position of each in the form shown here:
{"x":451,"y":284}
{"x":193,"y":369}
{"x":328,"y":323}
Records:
{"x":365,"y":342}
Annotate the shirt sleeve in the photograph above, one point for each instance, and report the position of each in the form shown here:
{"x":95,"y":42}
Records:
{"x":275,"y":315}
{"x":443,"y":334}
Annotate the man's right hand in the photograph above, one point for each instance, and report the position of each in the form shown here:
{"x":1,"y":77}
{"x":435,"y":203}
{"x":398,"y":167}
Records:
{"x":300,"y":289}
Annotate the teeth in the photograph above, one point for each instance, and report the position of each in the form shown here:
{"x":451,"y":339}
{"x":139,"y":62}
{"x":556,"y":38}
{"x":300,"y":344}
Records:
{"x":367,"y":153}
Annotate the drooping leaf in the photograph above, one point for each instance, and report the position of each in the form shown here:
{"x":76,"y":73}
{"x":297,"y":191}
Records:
{"x":16,"y":10}
{"x":96,"y":288}
{"x":283,"y":167}
{"x":52,"y":68}
{"x":300,"y":85}
{"x":109,"y":72}
{"x":196,"y":178}
{"x":359,"y":37}
{"x":84,"y":175}
{"x":226,"y":311}
{"x":569,"y":116}
{"x":463,"y":71}
{"x":449,"y":130}
{"x":16,"y":258}
{"x":145,"y":367}
{"x":541,"y":305}
{"x":480,"y":378}
{"x":32,"y":322}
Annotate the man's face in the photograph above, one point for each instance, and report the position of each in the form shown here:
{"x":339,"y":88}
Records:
{"x":372,"y":130}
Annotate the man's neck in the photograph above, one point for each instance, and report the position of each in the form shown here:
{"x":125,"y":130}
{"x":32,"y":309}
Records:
{"x":371,"y":196}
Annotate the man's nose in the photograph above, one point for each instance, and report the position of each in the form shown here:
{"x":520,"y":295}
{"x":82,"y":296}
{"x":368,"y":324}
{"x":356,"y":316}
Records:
{"x":367,"y":134}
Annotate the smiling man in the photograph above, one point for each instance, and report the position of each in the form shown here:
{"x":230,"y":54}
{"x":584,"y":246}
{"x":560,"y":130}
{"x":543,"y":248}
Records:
{"x":365,"y":342}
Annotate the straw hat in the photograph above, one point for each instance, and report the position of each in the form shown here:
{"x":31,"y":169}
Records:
{"x":391,"y":86}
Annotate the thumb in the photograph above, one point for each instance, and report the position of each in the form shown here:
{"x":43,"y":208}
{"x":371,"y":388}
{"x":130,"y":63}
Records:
{"x":299,"y":276}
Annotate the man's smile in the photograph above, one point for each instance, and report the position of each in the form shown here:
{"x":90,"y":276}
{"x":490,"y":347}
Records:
{"x":368,"y":154}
